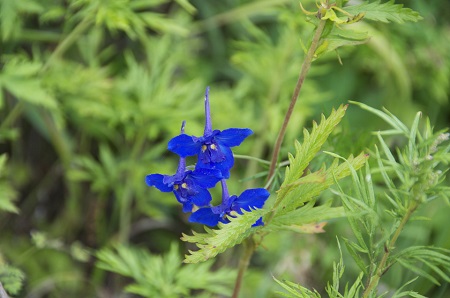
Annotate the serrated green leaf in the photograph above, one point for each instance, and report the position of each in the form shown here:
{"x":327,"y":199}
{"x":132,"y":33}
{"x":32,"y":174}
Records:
{"x":306,"y":215}
{"x":21,"y":78}
{"x":332,"y":43}
{"x":305,"y":152}
{"x":163,"y":276}
{"x":312,"y":142}
{"x":384,"y":12}
{"x":313,"y":178}
{"x":304,"y":193}
{"x":228,"y":235}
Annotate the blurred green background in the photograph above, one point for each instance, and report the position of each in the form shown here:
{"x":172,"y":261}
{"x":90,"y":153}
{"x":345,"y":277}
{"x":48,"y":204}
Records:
{"x":91,"y":92}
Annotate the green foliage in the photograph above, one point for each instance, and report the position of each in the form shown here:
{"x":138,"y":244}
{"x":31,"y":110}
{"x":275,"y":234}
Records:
{"x":307,"y":214}
{"x":333,"y":288}
{"x":301,"y":192}
{"x":305,"y":152}
{"x":91,"y":91}
{"x":385,"y":12}
{"x":11,"y":278}
{"x":299,"y":188}
{"x":22,"y":79}
{"x":11,"y":12}
{"x":162,"y":276}
{"x":418,"y":167}
{"x":130,"y":16}
{"x":399,"y":292}
{"x":412,"y":178}
{"x":217,"y":241}
{"x":336,"y":35}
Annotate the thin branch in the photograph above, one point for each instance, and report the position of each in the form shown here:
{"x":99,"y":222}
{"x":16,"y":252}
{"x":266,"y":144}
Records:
{"x":301,"y":78}
{"x":249,"y":249}
{"x":382,"y":268}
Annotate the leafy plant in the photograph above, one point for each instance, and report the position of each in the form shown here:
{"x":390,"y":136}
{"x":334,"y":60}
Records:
{"x":163,"y":276}
{"x":412,"y":178}
{"x":92,"y":91}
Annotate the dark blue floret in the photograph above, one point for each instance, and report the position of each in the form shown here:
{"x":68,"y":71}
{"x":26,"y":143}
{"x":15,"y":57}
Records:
{"x":189,"y":187}
{"x":248,"y":200}
{"x":214,"y":161}
{"x":213,"y":148}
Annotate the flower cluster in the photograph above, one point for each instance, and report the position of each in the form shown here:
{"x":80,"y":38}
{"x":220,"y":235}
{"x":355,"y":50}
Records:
{"x":214,"y":161}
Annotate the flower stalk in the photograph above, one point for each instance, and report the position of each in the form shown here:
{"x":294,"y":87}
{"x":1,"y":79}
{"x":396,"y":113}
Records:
{"x":249,"y":249}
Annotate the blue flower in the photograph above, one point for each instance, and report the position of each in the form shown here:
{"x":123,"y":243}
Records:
{"x":189,"y":187}
{"x":213,"y":148}
{"x":248,"y":200}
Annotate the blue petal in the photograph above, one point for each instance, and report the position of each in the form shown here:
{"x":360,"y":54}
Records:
{"x":201,"y":198}
{"x":233,"y":136}
{"x":206,"y":178}
{"x":227,"y":164}
{"x":259,"y":222}
{"x":205,"y":216}
{"x":187,"y":204}
{"x":187,"y":207}
{"x":156,"y":180}
{"x":251,"y":198}
{"x":184,"y":145}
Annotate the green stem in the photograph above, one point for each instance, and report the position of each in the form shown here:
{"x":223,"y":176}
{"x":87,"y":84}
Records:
{"x":12,"y":116}
{"x":68,"y":41}
{"x":127,"y":195}
{"x":239,"y":156}
{"x":301,"y":78}
{"x":249,"y":249}
{"x":382,"y":266}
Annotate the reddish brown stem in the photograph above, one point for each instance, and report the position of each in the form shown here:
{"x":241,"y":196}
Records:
{"x":301,"y":78}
